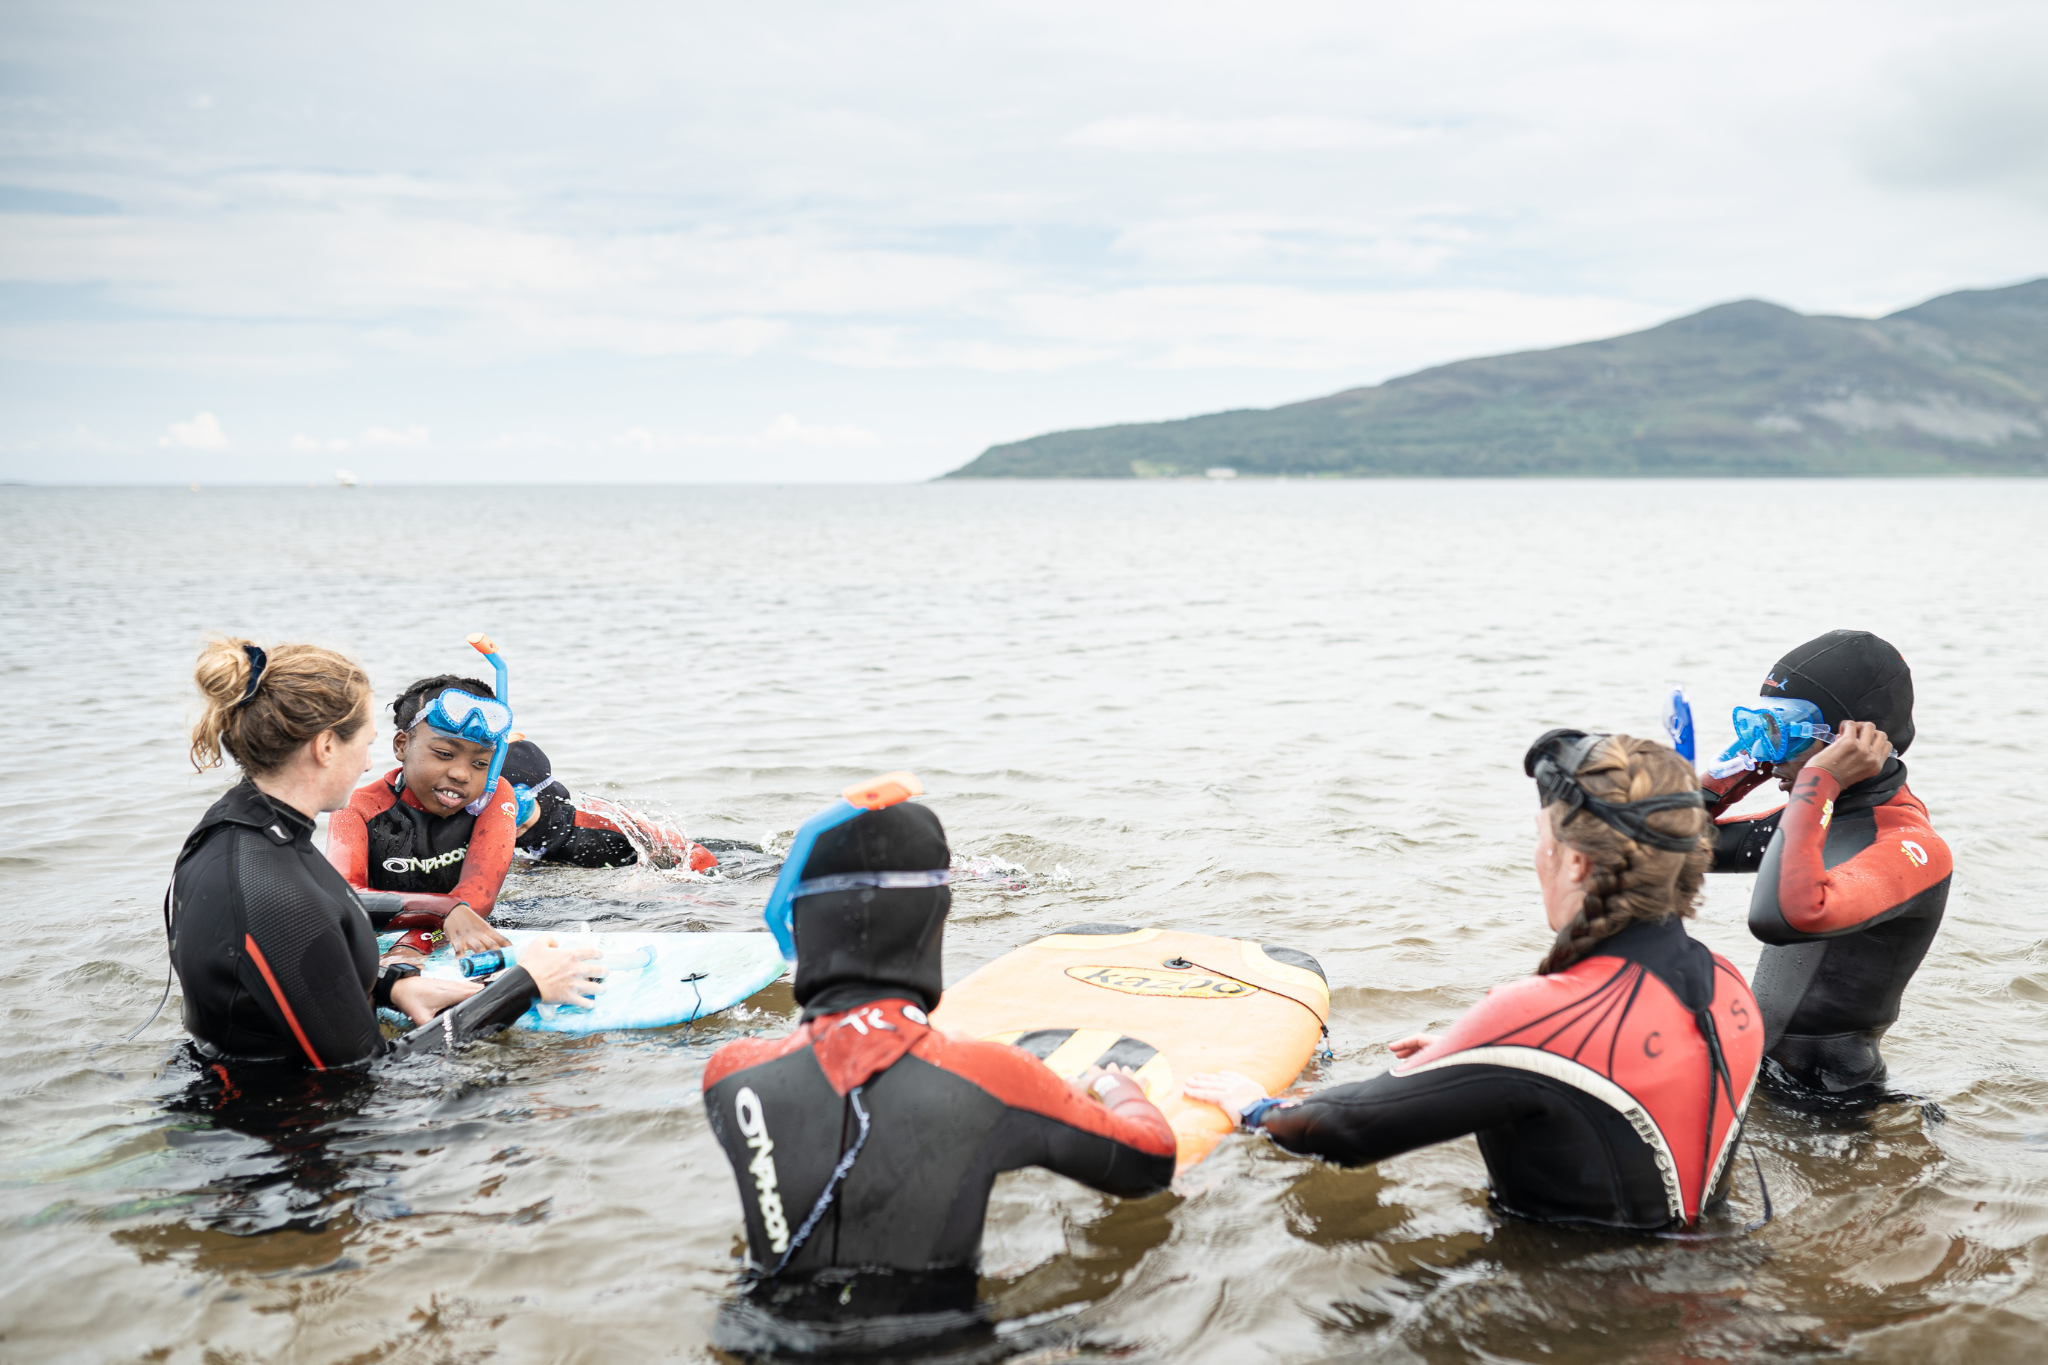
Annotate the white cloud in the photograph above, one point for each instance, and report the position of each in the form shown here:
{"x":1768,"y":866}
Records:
{"x":1211,"y":137}
{"x":785,"y":430}
{"x":309,"y":445}
{"x":411,"y":437}
{"x":201,"y":433}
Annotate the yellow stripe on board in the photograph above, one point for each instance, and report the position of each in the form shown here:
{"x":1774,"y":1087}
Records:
{"x":1079,"y":1052}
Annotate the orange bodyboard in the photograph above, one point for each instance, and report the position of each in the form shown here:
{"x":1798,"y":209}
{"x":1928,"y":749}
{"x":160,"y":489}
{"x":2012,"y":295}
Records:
{"x":1203,"y":1003}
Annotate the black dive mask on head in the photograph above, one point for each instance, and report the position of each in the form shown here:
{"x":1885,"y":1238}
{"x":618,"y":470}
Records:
{"x":866,"y":939}
{"x":1849,"y":675}
{"x":1554,"y":761}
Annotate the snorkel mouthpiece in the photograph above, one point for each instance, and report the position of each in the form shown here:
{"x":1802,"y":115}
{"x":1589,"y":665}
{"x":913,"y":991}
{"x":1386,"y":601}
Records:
{"x":482,"y":644}
{"x":877,"y":793}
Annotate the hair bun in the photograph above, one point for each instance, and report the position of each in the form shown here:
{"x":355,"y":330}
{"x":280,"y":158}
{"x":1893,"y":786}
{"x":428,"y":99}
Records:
{"x":223,"y":669}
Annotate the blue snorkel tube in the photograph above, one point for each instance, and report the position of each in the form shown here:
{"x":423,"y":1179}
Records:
{"x":877,"y":793}
{"x":1678,"y":723}
{"x":482,"y":644}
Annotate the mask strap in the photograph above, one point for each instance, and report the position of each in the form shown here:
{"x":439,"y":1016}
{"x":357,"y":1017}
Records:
{"x":894,"y":881}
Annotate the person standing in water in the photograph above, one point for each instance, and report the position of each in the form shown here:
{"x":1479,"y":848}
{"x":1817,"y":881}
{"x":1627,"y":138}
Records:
{"x":427,"y":837}
{"x":276,"y":958}
{"x":1609,"y":1088}
{"x":1852,"y":880}
{"x":865,"y":1142}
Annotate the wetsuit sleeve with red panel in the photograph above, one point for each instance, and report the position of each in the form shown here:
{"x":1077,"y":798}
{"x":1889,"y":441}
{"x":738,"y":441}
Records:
{"x":1739,"y":840}
{"x":1813,"y":883}
{"x":906,"y":1130}
{"x":490,"y":851}
{"x":1118,"y":1143}
{"x":348,"y":834}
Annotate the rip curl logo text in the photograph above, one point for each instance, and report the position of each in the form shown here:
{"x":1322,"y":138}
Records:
{"x":434,"y":864}
{"x":746,"y":1108}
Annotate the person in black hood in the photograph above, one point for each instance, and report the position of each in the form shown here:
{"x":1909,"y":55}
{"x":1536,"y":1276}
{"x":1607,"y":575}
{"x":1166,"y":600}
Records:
{"x":275,"y":953}
{"x":865,"y":1143}
{"x":1852,"y":879}
{"x":553,"y":828}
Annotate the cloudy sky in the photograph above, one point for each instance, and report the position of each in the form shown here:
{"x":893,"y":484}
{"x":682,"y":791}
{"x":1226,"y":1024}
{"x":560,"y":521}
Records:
{"x":789,"y":241}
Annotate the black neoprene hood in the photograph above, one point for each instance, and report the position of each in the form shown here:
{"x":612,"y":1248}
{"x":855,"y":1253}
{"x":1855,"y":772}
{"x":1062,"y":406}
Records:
{"x":873,"y":943}
{"x":526,"y":764}
{"x":1849,"y":675}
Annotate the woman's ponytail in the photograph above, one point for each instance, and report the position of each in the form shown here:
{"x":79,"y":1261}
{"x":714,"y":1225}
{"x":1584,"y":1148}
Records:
{"x":259,"y":707}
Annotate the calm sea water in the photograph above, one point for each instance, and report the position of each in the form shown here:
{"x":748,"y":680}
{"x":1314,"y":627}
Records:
{"x":1287,"y":710}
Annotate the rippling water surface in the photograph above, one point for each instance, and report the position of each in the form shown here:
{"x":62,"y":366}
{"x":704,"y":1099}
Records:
{"x":1289,"y":710}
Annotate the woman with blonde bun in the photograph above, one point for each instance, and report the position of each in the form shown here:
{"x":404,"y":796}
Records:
{"x":276,"y":958}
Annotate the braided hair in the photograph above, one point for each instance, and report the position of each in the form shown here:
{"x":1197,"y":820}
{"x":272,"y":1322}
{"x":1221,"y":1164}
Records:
{"x":1629,"y":881}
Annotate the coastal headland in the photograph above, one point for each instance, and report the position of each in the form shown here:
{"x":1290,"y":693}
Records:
{"x":1955,"y":385}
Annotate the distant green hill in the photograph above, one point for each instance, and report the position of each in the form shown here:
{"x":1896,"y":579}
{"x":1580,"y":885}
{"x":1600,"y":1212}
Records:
{"x":1958,"y":385}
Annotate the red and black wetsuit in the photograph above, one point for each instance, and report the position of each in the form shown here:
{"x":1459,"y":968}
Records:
{"x":564,"y":833}
{"x":1851,"y":888}
{"x":944,"y":1118}
{"x":385,"y":841}
{"x":276,"y":958}
{"x":1593,"y":1090}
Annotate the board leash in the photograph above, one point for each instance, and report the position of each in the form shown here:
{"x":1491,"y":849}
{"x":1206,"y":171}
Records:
{"x":838,"y":1174}
{"x":169,"y":971}
{"x":697,"y":1010}
{"x":1325,"y":1052}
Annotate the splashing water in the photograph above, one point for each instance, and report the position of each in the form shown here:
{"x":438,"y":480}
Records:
{"x":659,"y":841}
{"x":995,"y":874}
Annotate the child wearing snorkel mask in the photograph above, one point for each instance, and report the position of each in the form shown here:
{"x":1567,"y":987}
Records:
{"x":1852,"y":880}
{"x":435,"y":834}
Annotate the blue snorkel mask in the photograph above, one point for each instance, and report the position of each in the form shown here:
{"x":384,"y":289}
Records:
{"x":877,"y":793}
{"x":1773,"y":731}
{"x":480,"y":720}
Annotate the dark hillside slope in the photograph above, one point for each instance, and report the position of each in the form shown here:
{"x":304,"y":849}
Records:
{"x":1955,"y":385}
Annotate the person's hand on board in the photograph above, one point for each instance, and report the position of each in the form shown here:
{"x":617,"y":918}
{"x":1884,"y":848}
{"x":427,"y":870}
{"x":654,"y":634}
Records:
{"x":1085,"y":1082}
{"x":1229,"y":1091}
{"x":1404,"y":1048}
{"x":566,"y":976}
{"x":420,"y":998}
{"x":469,"y":932}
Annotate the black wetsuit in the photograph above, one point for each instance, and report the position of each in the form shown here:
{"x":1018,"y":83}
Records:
{"x":909,"y":1184}
{"x":1593,"y":1090}
{"x":276,"y":957}
{"x":581,"y":838}
{"x":1851,"y":889}
{"x":1851,"y":885}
